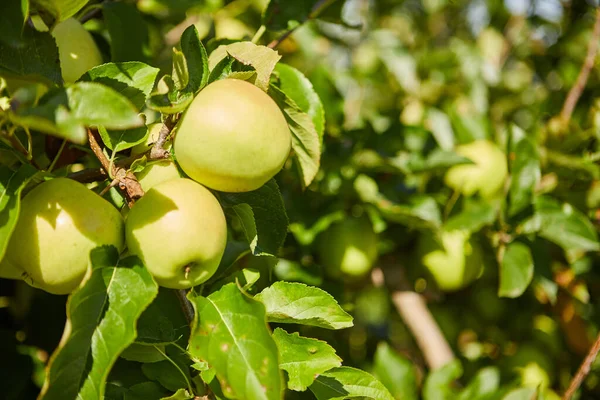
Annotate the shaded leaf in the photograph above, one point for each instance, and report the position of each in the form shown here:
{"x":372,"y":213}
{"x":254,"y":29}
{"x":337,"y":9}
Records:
{"x":474,"y":216}
{"x":230,"y":333}
{"x":123,"y":139}
{"x":13,"y":14}
{"x":280,"y":14}
{"x":163,"y":321}
{"x":395,"y":372}
{"x":516,"y":270}
{"x":348,"y":383}
{"x":297,"y":303}
{"x":439,"y":383}
{"x":60,"y":9}
{"x":102,"y":315}
{"x":303,"y":358}
{"x":525,"y":173}
{"x":298,"y":88}
{"x":36,"y":56}
{"x":11,"y":185}
{"x":485,"y":383}
{"x":128,"y":31}
{"x":262,"y":215}
{"x":196,"y":59}
{"x":306,"y":143}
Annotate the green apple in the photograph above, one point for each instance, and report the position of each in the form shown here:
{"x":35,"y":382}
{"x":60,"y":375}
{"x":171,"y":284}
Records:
{"x":486,"y":176}
{"x":157,"y":172}
{"x":179,"y":231}
{"x":77,"y":50}
{"x":348,"y":248}
{"x":233,"y":137}
{"x":532,"y":365}
{"x":60,"y":222}
{"x":454,"y":262}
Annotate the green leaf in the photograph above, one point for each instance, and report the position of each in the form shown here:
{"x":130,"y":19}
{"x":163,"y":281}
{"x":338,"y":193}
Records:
{"x":163,"y":321}
{"x":168,"y":99}
{"x":297,"y":303}
{"x":102,"y":315}
{"x":439,"y":383}
{"x":348,"y":383}
{"x":474,"y":216}
{"x":128,"y":32}
{"x":13,"y":14}
{"x":419,"y":212}
{"x":11,"y":185}
{"x":144,"y":353}
{"x":292,"y":271}
{"x":262,"y":215}
{"x":230,"y":332}
{"x":60,"y":9}
{"x":196,"y":59}
{"x":261,"y":58}
{"x":172,"y":372}
{"x":395,"y":372}
{"x":281,"y":14}
{"x":298,"y":88}
{"x":123,"y":139}
{"x":306,"y":143}
{"x":134,"y":80}
{"x":303,"y":358}
{"x":485,"y":383}
{"x":36,"y":57}
{"x":439,"y":125}
{"x":437,"y":160}
{"x":564,"y":225}
{"x":65,"y":112}
{"x":305,"y":236}
{"x":516,"y":270}
{"x":525,"y":173}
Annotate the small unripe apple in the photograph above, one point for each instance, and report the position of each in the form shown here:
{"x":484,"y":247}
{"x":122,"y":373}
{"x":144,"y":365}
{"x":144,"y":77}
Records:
{"x":158,"y":172}
{"x":60,"y":222}
{"x":348,"y":248}
{"x":233,"y":137}
{"x":77,"y":50}
{"x":486,"y":176}
{"x":455,"y":262}
{"x":179,"y":231}
{"x":532,"y":365}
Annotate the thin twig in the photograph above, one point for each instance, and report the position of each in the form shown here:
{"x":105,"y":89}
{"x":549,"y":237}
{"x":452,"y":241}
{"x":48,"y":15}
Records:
{"x":583,"y":371}
{"x":315,"y":11}
{"x":577,"y":89}
{"x":157,"y":151}
{"x":97,"y":149}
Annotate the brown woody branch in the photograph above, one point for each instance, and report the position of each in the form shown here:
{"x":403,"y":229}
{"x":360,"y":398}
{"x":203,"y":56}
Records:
{"x":127,"y":181}
{"x":577,"y":89}
{"x":583,"y":371}
{"x":412,"y":308}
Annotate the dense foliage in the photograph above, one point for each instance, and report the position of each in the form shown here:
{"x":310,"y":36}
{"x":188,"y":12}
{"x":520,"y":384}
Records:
{"x":444,"y":163}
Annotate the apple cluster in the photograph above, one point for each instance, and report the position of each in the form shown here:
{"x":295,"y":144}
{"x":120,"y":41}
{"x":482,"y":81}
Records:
{"x":232,"y":138}
{"x":454,"y":259}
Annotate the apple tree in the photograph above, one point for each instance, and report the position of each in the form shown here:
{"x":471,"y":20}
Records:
{"x":308,"y":199}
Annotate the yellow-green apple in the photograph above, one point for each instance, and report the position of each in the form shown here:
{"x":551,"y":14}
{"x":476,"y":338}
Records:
{"x":77,"y":50}
{"x":454,"y":261}
{"x":60,"y":222}
{"x":179,"y":231}
{"x":157,"y":172}
{"x":486,"y":176}
{"x":348,"y":248}
{"x":233,"y":137}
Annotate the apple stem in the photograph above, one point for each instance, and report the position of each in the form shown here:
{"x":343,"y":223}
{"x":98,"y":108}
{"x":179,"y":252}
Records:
{"x":187,"y":271}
